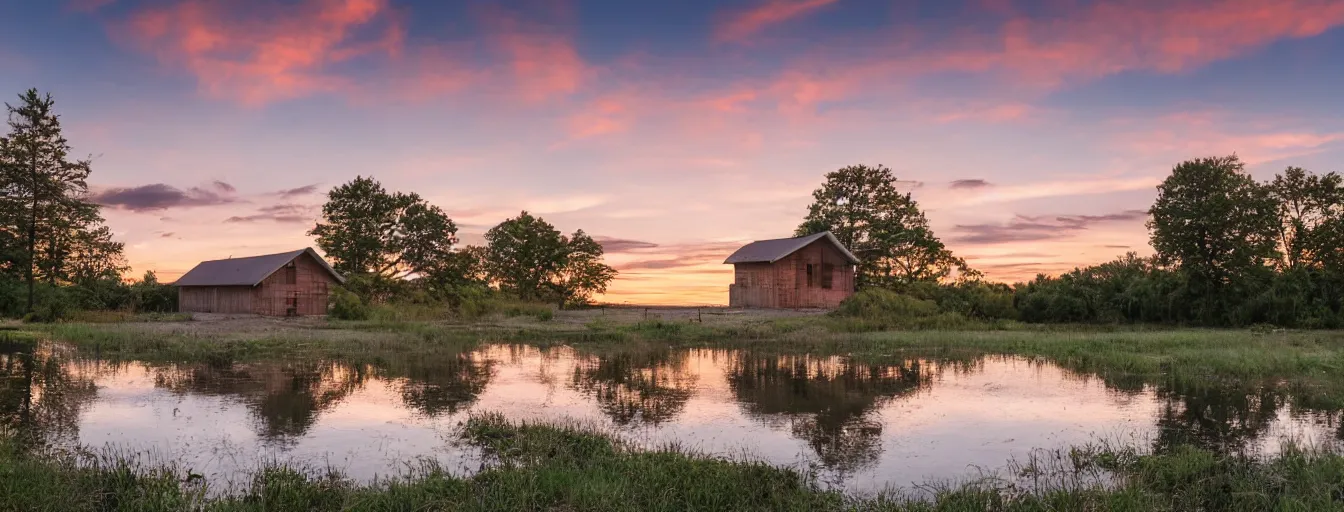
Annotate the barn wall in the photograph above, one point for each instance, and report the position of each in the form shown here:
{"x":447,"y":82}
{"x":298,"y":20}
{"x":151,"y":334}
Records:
{"x":309,"y":292}
{"x":214,"y":299}
{"x":785,"y":284}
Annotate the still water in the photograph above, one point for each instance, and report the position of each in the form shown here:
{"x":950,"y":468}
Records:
{"x":859,"y":426}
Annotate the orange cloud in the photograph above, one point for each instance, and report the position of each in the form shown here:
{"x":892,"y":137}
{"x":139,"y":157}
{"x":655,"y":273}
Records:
{"x":261,"y":55}
{"x":747,"y":23}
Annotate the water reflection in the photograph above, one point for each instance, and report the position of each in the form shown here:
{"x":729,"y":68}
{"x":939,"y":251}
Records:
{"x":40,"y":398}
{"x":829,"y":402}
{"x":871,"y":424}
{"x":286,"y":397}
{"x":1218,"y":417}
{"x":646,"y":387}
{"x":442,"y":383}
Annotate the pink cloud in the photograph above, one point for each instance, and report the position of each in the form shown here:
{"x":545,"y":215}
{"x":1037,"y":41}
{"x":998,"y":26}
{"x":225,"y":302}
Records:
{"x":1038,"y":55}
{"x":744,"y":24}
{"x":993,"y":113}
{"x":544,"y":61}
{"x":261,"y":55}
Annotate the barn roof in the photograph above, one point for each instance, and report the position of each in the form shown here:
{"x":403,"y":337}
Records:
{"x":249,"y":271}
{"x":770,"y":251}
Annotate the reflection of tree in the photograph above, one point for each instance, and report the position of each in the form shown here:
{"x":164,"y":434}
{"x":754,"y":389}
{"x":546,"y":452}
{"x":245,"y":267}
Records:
{"x":40,"y":396}
{"x":645,"y":387}
{"x":1215,"y":417}
{"x":442,"y":383}
{"x":827,"y":402}
{"x":286,"y":397}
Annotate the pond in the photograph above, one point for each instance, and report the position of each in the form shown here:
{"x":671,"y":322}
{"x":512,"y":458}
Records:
{"x":859,"y":426}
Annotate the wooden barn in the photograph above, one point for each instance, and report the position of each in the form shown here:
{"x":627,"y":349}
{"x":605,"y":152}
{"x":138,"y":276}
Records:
{"x":812,"y":271}
{"x":286,"y":284}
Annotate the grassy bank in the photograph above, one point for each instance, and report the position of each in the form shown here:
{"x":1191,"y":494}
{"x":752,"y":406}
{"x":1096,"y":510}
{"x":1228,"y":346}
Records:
{"x":547,"y":467}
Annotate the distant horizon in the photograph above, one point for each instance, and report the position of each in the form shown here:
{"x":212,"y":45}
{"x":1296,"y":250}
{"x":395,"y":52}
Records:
{"x":1033,"y":133}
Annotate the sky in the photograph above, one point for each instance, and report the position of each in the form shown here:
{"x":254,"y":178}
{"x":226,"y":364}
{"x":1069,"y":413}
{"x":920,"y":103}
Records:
{"x":1032,"y":133}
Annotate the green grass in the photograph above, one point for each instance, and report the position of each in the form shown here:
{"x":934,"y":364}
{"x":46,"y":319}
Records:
{"x":569,"y":467}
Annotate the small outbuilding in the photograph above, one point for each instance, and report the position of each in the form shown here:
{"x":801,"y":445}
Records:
{"x":287,"y":284}
{"x":813,"y":271}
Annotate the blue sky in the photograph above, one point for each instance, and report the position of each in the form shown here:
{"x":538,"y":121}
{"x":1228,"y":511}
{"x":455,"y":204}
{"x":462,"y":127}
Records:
{"x":688,"y":126}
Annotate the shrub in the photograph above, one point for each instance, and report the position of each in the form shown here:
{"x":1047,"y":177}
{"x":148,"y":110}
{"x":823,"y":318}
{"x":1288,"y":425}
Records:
{"x":345,"y":305}
{"x":148,"y":295}
{"x":881,"y":304}
{"x":51,"y":304}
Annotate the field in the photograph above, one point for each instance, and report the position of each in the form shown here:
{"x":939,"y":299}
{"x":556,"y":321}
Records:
{"x":582,"y":467}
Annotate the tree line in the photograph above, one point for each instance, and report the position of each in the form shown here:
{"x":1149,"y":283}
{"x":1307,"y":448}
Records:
{"x":1227,"y":251}
{"x":395,"y":246}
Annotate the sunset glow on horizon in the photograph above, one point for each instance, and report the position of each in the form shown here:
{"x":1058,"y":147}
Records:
{"x":1032,"y":132}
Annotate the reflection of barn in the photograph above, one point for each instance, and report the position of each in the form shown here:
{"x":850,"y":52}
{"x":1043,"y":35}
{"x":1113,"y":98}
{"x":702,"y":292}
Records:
{"x":291,"y":283}
{"x":813,"y":271}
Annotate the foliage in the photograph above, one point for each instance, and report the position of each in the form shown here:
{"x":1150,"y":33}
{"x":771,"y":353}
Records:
{"x":1230,"y":252}
{"x":527,"y":257}
{"x":148,"y":295}
{"x":882,"y":226}
{"x":878,"y":303}
{"x":49,"y":231}
{"x":367,"y":231}
{"x":346,"y":305}
{"x":1218,"y":228}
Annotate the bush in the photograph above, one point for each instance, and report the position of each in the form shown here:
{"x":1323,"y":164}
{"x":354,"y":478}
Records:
{"x":51,"y":304}
{"x":345,"y":305}
{"x":148,"y":295}
{"x":881,"y":304}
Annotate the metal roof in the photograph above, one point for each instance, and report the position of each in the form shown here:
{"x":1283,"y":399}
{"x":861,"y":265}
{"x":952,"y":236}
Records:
{"x":770,"y":251}
{"x":249,"y":271}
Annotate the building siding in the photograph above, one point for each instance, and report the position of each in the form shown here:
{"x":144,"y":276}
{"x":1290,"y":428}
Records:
{"x":276,"y":295}
{"x":308,"y":294}
{"x":785,"y":283}
{"x":215,"y":299}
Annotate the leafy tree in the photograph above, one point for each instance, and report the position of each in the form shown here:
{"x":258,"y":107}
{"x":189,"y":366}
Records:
{"x":882,"y":226}
{"x":522,"y":255}
{"x":1308,"y":205}
{"x":583,"y":273}
{"x":1218,"y":227}
{"x":51,"y":231}
{"x":367,"y":231}
{"x":528,"y":257}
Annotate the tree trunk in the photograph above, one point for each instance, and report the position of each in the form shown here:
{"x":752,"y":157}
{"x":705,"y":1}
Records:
{"x":32,"y":230}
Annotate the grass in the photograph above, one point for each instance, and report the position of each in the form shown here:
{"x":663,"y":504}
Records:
{"x":571,"y":467}
{"x":1310,"y":363}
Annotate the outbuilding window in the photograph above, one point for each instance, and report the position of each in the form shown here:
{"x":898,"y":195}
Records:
{"x":827,"y":275}
{"x":291,"y":273}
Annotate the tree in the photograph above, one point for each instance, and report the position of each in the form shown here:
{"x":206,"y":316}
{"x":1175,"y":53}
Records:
{"x":53,"y":232}
{"x":528,"y":257}
{"x":1309,"y":204}
{"x":367,"y":231}
{"x":1218,"y":227}
{"x":583,"y":273}
{"x":882,"y":226}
